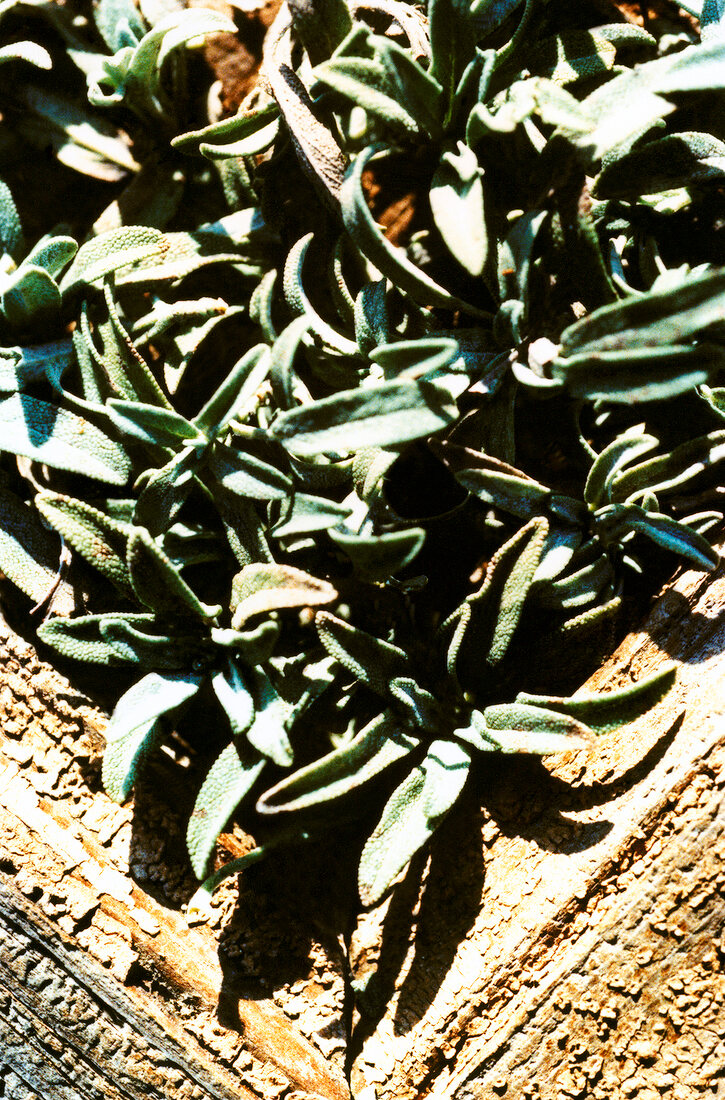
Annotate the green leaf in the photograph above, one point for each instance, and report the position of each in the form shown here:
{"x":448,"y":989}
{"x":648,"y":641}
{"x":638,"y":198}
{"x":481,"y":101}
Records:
{"x":712,"y":21}
{"x":604,"y":713}
{"x":81,"y":640}
{"x":616,"y":520}
{"x":101,"y":540}
{"x":30,"y":297}
{"x":142,"y":639}
{"x":378,"y":746}
{"x":384,"y":415}
{"x":307,"y":514}
{"x":411,"y":816}
{"x":29,"y":553}
{"x":264,"y":587}
{"x":389,"y":84}
{"x":640,"y":374}
{"x":109,"y":252}
{"x":657,"y":319}
{"x":52,"y":253}
{"x":158,"y":584}
{"x":268,"y":731}
{"x":416,"y":359}
{"x":582,"y":585}
{"x":371,"y":660}
{"x":242,"y":135}
{"x":685,"y":159}
{"x":520,"y":727}
{"x":157,"y":426}
{"x":632,"y":101}
{"x":165,"y":491}
{"x":485,"y":623}
{"x":379,"y":557}
{"x":253,"y":646}
{"x":234,"y":697}
{"x":452,"y":42}
{"x":298,"y":301}
{"x":456,"y":200}
{"x":11,"y":230}
{"x":228,"y":782}
{"x":61,"y":439}
{"x":612,"y":461}
{"x":488,"y":15}
{"x":236,"y":390}
{"x":247,"y":476}
{"x":674,"y":471}
{"x":79,"y":138}
{"x":495,"y":482}
{"x":135,"y":726}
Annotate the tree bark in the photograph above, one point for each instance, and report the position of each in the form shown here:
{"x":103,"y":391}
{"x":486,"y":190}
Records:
{"x":564,"y":937}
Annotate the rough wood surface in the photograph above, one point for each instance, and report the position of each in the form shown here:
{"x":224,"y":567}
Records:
{"x":71,"y":915}
{"x":568,"y":939}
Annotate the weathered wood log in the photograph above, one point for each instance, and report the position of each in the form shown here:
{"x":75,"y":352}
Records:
{"x":565,"y":936}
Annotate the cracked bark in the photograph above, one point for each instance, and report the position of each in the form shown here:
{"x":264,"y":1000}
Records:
{"x":564,"y":937}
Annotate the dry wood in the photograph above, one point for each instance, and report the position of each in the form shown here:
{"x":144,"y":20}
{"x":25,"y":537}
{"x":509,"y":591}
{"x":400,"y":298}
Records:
{"x":567,"y":939}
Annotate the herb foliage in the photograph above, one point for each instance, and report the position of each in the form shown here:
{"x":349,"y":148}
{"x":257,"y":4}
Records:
{"x":369,"y":484}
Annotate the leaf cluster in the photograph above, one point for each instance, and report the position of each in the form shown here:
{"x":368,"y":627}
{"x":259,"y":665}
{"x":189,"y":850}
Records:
{"x":374,"y":472}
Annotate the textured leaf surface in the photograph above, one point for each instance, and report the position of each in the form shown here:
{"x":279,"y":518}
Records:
{"x":228,"y":782}
{"x":29,"y":553}
{"x":385,"y":415}
{"x":61,"y":439}
{"x":261,"y":588}
{"x":603,"y":713}
{"x":101,"y":540}
{"x":381,"y":744}
{"x":135,"y":729}
{"x":411,"y":816}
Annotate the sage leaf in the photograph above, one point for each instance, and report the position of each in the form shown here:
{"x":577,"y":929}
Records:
{"x":228,"y":782}
{"x":377,"y":747}
{"x":307,"y":513}
{"x":669,"y":317}
{"x":235,"y":698}
{"x":485,"y":623}
{"x":110,"y":251}
{"x":384,"y":415}
{"x":607,"y":712}
{"x":158,"y":584}
{"x":61,"y":439}
{"x":245,"y":475}
{"x":617,"y":519}
{"x":389,"y":260}
{"x":411,"y":816}
{"x":101,"y":540}
{"x":268,"y":731}
{"x":261,"y":588}
{"x":135,"y":726}
{"x":612,"y":461}
{"x":29,"y":553}
{"x":233,"y":394}
{"x":521,"y":727}
{"x":456,"y":200}
{"x":158,"y":426}
{"x":379,"y":557}
{"x":370,"y":659}
{"x":642,"y":374}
